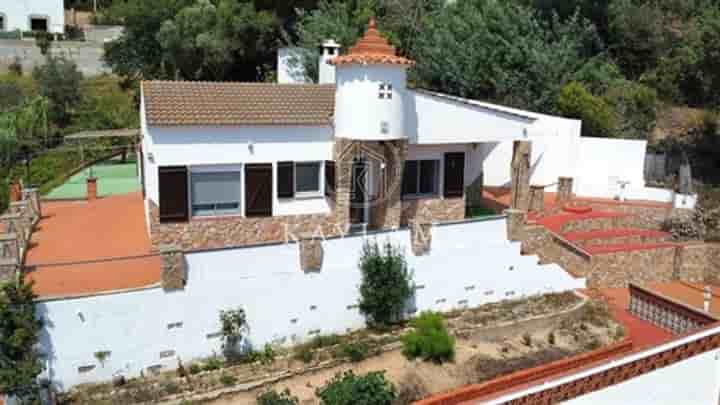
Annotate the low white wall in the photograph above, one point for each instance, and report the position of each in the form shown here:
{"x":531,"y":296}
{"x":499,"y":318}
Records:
{"x":693,"y":381}
{"x":470,"y":264}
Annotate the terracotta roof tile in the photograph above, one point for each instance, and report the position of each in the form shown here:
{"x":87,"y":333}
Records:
{"x":372,"y":48}
{"x":169,"y":103}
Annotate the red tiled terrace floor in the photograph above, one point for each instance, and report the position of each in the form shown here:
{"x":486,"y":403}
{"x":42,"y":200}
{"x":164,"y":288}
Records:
{"x":86,"y":247}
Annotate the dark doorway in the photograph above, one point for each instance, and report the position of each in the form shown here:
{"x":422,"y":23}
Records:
{"x":38,"y":24}
{"x":359,"y":192}
{"x":258,"y":190}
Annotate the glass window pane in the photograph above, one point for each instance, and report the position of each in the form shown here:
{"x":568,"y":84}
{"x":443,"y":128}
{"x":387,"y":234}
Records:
{"x":213,"y":188}
{"x":410,"y":180}
{"x":307,"y":177}
{"x":428,"y":176}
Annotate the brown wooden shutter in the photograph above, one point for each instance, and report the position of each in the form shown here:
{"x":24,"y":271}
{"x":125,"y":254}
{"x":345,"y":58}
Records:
{"x":286,"y":179}
{"x":454,"y":177}
{"x":258,"y":190}
{"x":329,"y":178}
{"x":173,"y":189}
{"x":410,"y":178}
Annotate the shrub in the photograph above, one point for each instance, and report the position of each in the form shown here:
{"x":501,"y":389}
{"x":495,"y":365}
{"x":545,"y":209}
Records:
{"x":355,"y":351}
{"x":233,"y":324}
{"x":429,"y":339}
{"x":351,"y":389}
{"x":386,"y":283}
{"x":575,"y":101}
{"x":16,"y":67}
{"x":411,"y":388}
{"x":227,"y":379}
{"x":527,"y":339}
{"x":43,"y":40}
{"x":272,"y":397}
{"x":551,"y":338}
{"x":213,"y":363}
{"x":195,"y":368}
{"x":635,"y":109}
{"x":59,"y":80}
{"x":304,"y":353}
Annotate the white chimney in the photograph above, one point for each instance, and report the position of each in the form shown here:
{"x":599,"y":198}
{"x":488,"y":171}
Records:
{"x":326,"y":71}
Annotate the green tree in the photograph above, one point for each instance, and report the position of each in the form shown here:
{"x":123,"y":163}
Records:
{"x":575,"y":101}
{"x":19,"y":331}
{"x":386,"y":283}
{"x":501,"y":51}
{"x":637,"y":36}
{"x":635,"y":109}
{"x":351,"y":389}
{"x":59,"y":81}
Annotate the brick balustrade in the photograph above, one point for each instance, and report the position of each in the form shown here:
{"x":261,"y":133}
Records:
{"x":666,"y":312}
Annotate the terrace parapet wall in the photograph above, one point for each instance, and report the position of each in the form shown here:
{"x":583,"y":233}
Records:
{"x":436,"y":209}
{"x":665,"y":312}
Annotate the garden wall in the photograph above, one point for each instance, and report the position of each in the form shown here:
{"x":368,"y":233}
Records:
{"x":469,"y":264}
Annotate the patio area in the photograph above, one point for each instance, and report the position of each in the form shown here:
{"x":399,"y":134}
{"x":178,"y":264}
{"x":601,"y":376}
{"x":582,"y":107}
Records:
{"x":88,"y":247}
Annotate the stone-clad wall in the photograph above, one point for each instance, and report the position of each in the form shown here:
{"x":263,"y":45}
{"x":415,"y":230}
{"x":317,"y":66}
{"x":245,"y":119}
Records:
{"x":215,"y":233}
{"x":638,"y":266}
{"x":643,"y":216}
{"x":435,"y":209}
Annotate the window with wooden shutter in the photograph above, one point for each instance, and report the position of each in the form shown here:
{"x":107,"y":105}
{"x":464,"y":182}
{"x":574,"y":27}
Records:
{"x":286,"y":179}
{"x":454,"y":174}
{"x":173,"y":189}
{"x":329,"y":178}
{"x":258,"y":190}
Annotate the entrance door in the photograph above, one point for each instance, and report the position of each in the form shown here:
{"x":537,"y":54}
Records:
{"x":359,"y":192}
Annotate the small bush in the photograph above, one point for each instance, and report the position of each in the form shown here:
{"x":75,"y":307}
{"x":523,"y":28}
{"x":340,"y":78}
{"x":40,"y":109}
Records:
{"x":410,"y":389}
{"x":272,"y":397}
{"x":429,"y":339}
{"x":351,"y":389}
{"x":527,"y":339}
{"x":195,"y":368}
{"x":304,"y":353}
{"x":551,"y":338}
{"x":228,"y":379}
{"x":213,"y":363}
{"x":356,"y":351}
{"x":320,"y":341}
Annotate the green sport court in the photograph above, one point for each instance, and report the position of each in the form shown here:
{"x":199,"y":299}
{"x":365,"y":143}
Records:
{"x":113,"y":177}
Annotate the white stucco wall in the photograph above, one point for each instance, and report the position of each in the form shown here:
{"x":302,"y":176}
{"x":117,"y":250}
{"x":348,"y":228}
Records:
{"x":470,"y":264}
{"x":18,"y":12}
{"x":359,"y":111}
{"x":694,"y":381}
{"x":433,"y":119}
{"x":603,"y":161}
{"x":201,"y":148}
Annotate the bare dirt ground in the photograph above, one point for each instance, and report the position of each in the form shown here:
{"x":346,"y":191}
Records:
{"x":417,"y":379}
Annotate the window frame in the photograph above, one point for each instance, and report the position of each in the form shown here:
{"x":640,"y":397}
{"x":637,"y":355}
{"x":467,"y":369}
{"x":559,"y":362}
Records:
{"x":418,"y":181}
{"x":297,"y":194}
{"x":385,"y":91}
{"x":199,"y":171}
{"x":44,"y":17}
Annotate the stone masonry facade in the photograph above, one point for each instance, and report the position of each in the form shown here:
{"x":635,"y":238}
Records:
{"x":389,"y":211}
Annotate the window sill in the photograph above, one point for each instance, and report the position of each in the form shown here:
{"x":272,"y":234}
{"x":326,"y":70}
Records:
{"x":409,"y":197}
{"x":303,"y":196}
{"x":199,"y":218}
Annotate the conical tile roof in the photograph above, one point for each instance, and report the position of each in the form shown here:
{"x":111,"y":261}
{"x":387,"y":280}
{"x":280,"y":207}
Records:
{"x":372,"y":48}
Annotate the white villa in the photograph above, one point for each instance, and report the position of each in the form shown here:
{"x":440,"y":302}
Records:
{"x":32,"y":15}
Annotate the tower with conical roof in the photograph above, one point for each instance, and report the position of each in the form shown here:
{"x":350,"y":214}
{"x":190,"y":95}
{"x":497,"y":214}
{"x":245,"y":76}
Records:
{"x":371,"y":85}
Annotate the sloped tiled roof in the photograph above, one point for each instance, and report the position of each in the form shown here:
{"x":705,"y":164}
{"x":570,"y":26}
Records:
{"x":178,"y":103}
{"x":372,"y":48}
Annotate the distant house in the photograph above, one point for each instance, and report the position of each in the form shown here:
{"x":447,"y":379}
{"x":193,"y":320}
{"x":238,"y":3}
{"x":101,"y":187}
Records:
{"x":32,"y":15}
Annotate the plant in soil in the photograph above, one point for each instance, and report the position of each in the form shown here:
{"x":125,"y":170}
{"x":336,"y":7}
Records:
{"x":386,"y":284}
{"x":272,"y":397}
{"x":351,"y":389}
{"x":429,"y":339}
{"x":233,"y":324}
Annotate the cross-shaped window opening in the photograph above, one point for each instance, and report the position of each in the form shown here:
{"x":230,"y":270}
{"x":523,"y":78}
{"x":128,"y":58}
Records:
{"x":385,"y":91}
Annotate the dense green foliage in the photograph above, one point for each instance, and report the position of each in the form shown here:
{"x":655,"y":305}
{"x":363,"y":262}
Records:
{"x":429,"y":339}
{"x":59,"y":80}
{"x":576,"y":102}
{"x":386,"y":283}
{"x":19,"y":330}
{"x":351,"y":389}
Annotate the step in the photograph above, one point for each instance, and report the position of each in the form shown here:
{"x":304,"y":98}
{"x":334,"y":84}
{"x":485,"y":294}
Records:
{"x":616,"y":236}
{"x":583,"y":222}
{"x":626,"y":247}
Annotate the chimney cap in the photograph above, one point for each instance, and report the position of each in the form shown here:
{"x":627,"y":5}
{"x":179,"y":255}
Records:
{"x":330,"y":43}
